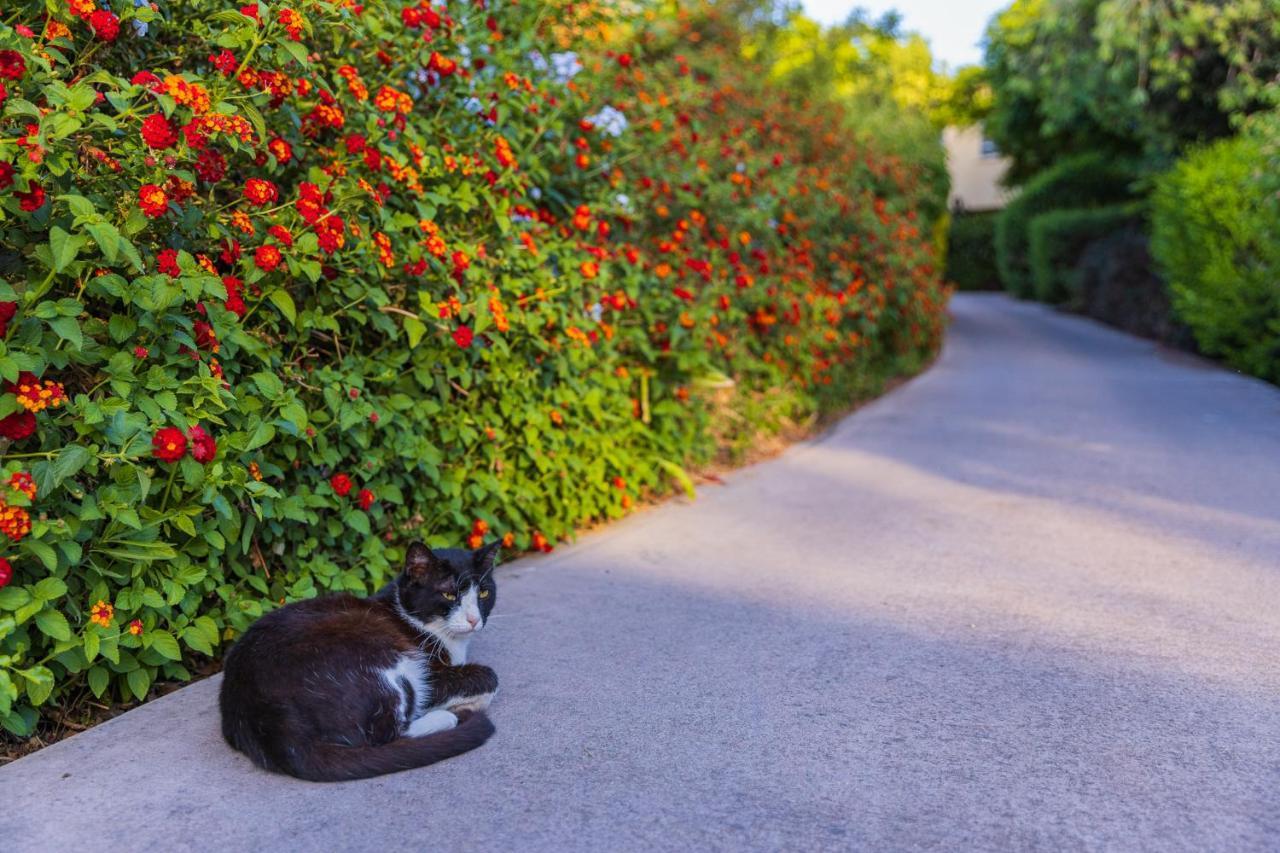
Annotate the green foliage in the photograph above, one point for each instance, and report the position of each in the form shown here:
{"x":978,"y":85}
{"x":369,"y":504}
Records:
{"x":1089,"y":180}
{"x":282,"y":293}
{"x":971,"y":251}
{"x":1216,"y":236}
{"x":1057,"y":240}
{"x":1126,"y":77}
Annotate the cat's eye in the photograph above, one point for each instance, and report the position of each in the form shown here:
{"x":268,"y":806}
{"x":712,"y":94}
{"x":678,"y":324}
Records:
{"x":484,"y":593}
{"x":448,"y":596}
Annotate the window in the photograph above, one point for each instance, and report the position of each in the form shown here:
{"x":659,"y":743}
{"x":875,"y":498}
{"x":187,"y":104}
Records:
{"x":989,"y":148}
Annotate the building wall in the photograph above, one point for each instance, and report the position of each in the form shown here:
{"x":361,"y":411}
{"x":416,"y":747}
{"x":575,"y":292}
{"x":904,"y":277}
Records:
{"x":975,"y":173}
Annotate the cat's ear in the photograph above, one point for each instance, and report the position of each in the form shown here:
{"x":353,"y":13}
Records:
{"x":419,"y":562}
{"x":487,"y":557}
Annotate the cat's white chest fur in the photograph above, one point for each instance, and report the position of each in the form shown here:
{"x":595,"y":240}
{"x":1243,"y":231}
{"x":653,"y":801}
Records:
{"x":410,"y":668}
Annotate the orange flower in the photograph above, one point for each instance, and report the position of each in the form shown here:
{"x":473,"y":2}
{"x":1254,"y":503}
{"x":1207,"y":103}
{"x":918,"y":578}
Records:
{"x":22,"y":482}
{"x":102,"y":613}
{"x":589,"y":269}
{"x":135,"y":627}
{"x":15,"y":522}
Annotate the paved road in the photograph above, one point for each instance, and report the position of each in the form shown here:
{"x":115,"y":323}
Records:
{"x":1031,"y":600}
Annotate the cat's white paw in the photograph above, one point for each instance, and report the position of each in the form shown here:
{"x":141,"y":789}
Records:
{"x":432,"y":722}
{"x":471,"y":703}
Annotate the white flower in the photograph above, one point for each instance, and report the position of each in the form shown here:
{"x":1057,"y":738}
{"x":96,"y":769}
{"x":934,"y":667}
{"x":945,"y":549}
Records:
{"x":473,"y":105}
{"x":610,"y":121}
{"x":565,"y":65}
{"x":596,"y":311}
{"x":623,"y":201}
{"x":535,"y":193}
{"x":537,"y":60}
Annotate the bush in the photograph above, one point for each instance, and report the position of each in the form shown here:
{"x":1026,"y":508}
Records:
{"x":283,"y":291}
{"x":971,"y":251}
{"x":1089,"y":180}
{"x":1059,"y":237}
{"x":1117,"y":283}
{"x":1216,"y":236}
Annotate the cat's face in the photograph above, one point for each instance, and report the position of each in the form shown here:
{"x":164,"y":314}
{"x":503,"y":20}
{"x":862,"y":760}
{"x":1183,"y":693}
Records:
{"x":451,"y":590}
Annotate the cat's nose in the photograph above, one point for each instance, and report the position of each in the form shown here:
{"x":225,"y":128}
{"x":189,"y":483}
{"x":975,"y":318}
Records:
{"x":472,"y":620}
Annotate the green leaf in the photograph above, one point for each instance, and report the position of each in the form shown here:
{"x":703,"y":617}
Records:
{"x":64,"y":247}
{"x":415,"y":329}
{"x":43,"y":552}
{"x":139,"y":682}
{"x":164,"y":643}
{"x":50,"y":589}
{"x":39,"y":683}
{"x":91,"y":644}
{"x":13,"y":597}
{"x":68,"y":328}
{"x":68,"y":463}
{"x":99,"y":678}
{"x":269,"y":385}
{"x":121,"y":327}
{"x":108,"y":238}
{"x":680,"y":476}
{"x":263,"y":434}
{"x":284,"y":302}
{"x":53,"y":624}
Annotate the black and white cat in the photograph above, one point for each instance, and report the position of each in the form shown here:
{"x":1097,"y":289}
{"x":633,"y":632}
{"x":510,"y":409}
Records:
{"x":342,"y":687}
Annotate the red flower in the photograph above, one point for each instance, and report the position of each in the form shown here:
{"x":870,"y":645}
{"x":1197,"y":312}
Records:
{"x":250,"y":11}
{"x":135,"y":627}
{"x":167,"y":262}
{"x":203,"y":447}
{"x":105,"y":25}
{"x":6,"y":175}
{"x":267,"y":258}
{"x":211,"y":166}
{"x":4,"y":94}
{"x":152,"y":201}
{"x":341,"y":484}
{"x":224,"y":61}
{"x":365,"y":498}
{"x":281,"y":150}
{"x":206,"y":337}
{"x":169,"y":444}
{"x":7,"y":310}
{"x":158,"y":132}
{"x":463,"y":336}
{"x":140,"y":353}
{"x":260,"y":192}
{"x":18,"y":426}
{"x":6,"y":572}
{"x":12,"y":65}
{"x":33,"y":199}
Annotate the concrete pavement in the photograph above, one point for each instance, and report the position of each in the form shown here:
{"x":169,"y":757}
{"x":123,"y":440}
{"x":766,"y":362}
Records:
{"x":1030,"y":600}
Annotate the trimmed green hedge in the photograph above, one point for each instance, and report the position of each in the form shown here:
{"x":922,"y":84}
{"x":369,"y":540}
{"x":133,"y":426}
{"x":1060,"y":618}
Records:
{"x":971,"y":251}
{"x":1058,"y":239}
{"x":1216,"y":236}
{"x":1089,"y":180}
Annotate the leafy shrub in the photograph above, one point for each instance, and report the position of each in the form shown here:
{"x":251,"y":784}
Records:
{"x":1117,"y":283}
{"x":285,"y":287}
{"x":971,"y":251}
{"x":1088,"y":180}
{"x":1216,"y":236}
{"x":1059,"y":237}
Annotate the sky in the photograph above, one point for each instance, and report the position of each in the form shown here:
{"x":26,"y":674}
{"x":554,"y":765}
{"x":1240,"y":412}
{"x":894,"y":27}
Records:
{"x":952,"y":27}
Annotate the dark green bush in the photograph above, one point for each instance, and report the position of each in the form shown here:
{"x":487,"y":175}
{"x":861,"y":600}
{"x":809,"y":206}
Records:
{"x":1117,"y":283}
{"x":1090,"y":180}
{"x":971,"y":251}
{"x":1059,"y":237}
{"x":1216,"y":236}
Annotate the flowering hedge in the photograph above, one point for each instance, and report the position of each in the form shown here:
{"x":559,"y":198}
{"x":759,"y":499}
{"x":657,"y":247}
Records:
{"x":286,"y":285}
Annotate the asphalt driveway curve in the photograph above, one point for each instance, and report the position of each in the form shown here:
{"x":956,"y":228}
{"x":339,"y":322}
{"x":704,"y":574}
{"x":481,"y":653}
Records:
{"x":1030,"y":600}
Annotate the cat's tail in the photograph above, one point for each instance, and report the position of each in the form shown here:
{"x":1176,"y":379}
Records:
{"x":331,"y":762}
